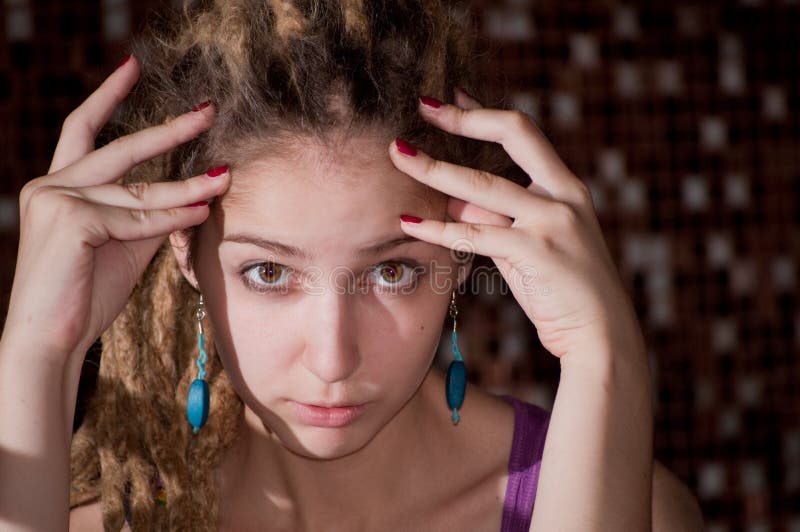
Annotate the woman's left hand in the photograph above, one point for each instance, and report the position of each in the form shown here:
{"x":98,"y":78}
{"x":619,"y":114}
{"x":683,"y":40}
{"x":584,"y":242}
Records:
{"x":545,"y":239}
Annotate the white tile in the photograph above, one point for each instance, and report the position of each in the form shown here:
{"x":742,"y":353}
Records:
{"x":19,"y":20}
{"x":611,"y":165}
{"x":695,"y":193}
{"x":737,"y":190}
{"x":749,"y":390}
{"x":584,"y":50}
{"x":633,"y":195}
{"x":628,"y":79}
{"x":752,"y":477}
{"x":688,"y":21}
{"x":116,"y":20}
{"x":626,"y":22}
{"x":661,"y":312}
{"x":729,"y":423}
{"x":712,"y":480}
{"x":9,"y":213}
{"x":732,"y":78}
{"x":724,"y":334}
{"x":566,"y":110}
{"x":508,"y":24}
{"x":704,"y":394}
{"x":782,"y":271}
{"x":669,"y":78}
{"x":742,"y":276}
{"x":719,"y":250}
{"x":773,"y":103}
{"x":713,"y":133}
{"x":730,"y":46}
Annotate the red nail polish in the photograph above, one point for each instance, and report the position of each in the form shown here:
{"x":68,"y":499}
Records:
{"x":124,"y":60}
{"x":198,"y":204}
{"x":409,"y":218}
{"x":405,"y":148}
{"x":218,"y":171}
{"x":430,"y":102}
{"x":202,"y":106}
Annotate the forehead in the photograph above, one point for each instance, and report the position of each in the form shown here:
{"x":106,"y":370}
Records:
{"x":317,"y":195}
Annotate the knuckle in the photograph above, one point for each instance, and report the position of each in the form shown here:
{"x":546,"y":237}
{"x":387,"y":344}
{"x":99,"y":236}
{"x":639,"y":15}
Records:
{"x":139,"y":216}
{"x":583,"y":193}
{"x":71,"y":121}
{"x":137,"y":190}
{"x":564,"y":215}
{"x":481,"y":180}
{"x":472,"y":232}
{"x":519,"y":120}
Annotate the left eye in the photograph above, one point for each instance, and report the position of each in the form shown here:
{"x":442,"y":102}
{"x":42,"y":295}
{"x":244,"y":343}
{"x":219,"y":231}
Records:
{"x":396,"y":274}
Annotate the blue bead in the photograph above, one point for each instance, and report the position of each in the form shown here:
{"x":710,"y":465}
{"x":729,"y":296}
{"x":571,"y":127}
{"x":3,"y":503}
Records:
{"x":197,"y":404}
{"x":456,"y":384}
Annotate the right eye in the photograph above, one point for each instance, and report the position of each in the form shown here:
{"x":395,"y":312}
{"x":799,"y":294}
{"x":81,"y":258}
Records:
{"x":266,"y":277}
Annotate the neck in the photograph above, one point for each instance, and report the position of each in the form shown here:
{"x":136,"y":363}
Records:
{"x":260,"y":473}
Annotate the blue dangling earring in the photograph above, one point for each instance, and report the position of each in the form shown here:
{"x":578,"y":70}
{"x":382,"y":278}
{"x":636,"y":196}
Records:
{"x":456,"y":381}
{"x":197,"y":402}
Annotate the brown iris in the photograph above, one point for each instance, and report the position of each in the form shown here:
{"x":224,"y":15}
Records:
{"x":392,"y":272}
{"x":270,"y":272}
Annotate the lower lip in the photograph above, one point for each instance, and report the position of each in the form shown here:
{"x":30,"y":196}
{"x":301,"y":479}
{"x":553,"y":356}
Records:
{"x":319,"y":416}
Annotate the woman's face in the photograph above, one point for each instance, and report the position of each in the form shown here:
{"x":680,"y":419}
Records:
{"x":339,"y":312}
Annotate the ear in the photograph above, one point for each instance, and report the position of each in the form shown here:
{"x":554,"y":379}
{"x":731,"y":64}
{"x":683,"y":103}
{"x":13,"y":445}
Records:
{"x":179,"y":241}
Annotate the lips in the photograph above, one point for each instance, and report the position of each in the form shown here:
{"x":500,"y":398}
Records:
{"x":327,"y":416}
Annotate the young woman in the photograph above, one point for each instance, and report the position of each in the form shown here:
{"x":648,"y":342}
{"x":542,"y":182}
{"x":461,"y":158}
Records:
{"x":314,"y":165}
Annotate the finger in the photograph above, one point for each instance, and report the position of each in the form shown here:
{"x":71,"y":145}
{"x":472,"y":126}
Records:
{"x":159,"y":195}
{"x":520,"y":137}
{"x":489,"y":240}
{"x":483,"y":189}
{"x":82,"y":124}
{"x":123,"y":224}
{"x":463,"y":211}
{"x":465,"y":100}
{"x":108,"y":163}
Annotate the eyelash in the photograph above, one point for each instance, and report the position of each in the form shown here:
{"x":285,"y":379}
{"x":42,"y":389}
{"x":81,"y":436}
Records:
{"x":250,"y":273}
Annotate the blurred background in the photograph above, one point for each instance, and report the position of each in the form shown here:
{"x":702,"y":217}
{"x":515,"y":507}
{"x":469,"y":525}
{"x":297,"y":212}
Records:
{"x":682,"y":118}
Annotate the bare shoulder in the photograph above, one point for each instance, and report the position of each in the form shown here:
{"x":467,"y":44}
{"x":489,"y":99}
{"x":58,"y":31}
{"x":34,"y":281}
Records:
{"x":89,"y":518}
{"x":674,"y":506}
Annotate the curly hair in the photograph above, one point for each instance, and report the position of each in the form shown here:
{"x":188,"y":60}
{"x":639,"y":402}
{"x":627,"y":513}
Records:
{"x":277,"y":71}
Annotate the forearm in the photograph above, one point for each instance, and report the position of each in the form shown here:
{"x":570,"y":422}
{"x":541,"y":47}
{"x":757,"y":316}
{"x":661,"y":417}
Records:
{"x":596,"y":472}
{"x":34,"y":446}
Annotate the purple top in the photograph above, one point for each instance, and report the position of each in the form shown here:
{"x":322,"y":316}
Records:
{"x":530,"y":429}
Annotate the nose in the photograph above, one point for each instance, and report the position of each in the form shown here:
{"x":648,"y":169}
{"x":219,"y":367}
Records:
{"x":331,"y":351}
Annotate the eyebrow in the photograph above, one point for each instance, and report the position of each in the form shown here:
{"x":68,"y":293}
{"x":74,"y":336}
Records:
{"x":280,"y":248}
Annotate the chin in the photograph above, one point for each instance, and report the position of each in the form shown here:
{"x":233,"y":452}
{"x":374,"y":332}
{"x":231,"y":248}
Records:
{"x":322,"y":443}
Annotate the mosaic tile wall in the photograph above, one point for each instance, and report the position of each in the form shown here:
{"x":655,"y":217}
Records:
{"x":682,"y":118}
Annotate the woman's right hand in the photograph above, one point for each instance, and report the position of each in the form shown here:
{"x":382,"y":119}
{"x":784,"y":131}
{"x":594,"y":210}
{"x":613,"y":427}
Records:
{"x":85,"y":240}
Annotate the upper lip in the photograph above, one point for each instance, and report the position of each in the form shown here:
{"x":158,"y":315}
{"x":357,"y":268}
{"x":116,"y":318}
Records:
{"x":334,"y":405}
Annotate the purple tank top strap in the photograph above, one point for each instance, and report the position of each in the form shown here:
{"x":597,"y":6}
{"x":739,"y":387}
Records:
{"x":530,"y":429}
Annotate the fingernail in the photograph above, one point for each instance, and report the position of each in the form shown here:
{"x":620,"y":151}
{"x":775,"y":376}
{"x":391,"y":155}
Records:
{"x":430,"y":102}
{"x":202,"y":106}
{"x":409,"y":218}
{"x":218,"y":171}
{"x":405,"y":148}
{"x":124,"y":60}
{"x":198,"y":204}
